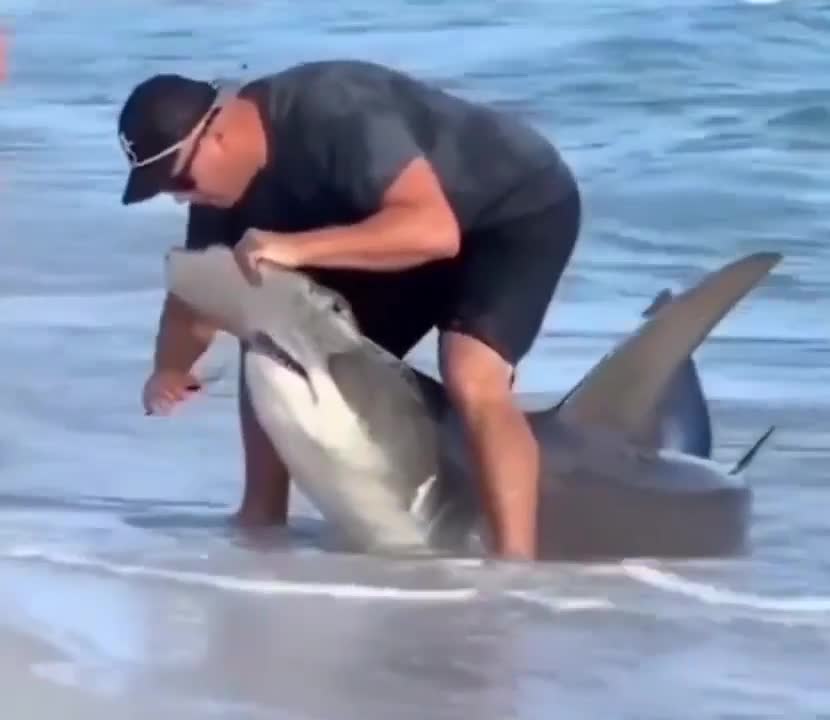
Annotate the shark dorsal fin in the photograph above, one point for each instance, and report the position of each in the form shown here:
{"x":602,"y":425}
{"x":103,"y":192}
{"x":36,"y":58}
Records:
{"x":681,"y":421}
{"x":623,"y":391}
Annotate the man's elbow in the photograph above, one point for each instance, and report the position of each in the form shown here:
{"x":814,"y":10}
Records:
{"x":442,"y":234}
{"x":429,"y":223}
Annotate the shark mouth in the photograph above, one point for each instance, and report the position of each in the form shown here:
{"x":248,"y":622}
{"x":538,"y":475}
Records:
{"x":262,"y":343}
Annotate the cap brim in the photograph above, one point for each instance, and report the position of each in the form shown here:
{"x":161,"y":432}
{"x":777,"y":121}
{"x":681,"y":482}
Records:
{"x":148,"y":181}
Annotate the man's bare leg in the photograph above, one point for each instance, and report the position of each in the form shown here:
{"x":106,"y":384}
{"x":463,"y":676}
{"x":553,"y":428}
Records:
{"x":265,"y":498}
{"x":503,"y":446}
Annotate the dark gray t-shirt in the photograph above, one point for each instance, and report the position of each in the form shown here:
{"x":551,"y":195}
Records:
{"x":339,"y":132}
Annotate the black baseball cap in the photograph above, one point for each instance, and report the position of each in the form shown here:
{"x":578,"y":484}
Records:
{"x":155,"y":120}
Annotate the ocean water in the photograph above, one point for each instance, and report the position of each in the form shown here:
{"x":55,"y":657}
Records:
{"x":698,"y":132}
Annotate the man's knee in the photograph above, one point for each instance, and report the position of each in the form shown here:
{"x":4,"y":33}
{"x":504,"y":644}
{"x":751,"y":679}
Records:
{"x":474,"y":374}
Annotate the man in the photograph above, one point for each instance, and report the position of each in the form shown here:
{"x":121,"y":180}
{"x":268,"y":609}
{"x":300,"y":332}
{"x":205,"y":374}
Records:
{"x":421,"y":208}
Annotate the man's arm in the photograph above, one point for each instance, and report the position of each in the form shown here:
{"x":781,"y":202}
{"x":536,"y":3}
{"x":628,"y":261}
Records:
{"x":182,"y":338}
{"x":414,"y":225}
{"x":367,"y":154}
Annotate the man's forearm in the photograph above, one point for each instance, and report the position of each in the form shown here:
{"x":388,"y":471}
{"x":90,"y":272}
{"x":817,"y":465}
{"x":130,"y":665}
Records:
{"x":393,"y":239}
{"x":182,"y":337}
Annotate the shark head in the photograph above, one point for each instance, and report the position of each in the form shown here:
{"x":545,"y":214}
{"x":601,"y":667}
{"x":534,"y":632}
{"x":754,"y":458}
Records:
{"x":292,"y":337}
{"x":345,"y":416}
{"x":287,"y":321}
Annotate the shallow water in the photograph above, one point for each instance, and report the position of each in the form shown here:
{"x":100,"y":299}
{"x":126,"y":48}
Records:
{"x":696,"y":130}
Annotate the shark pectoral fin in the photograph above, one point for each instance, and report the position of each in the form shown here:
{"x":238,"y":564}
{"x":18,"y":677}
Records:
{"x":624,"y":390}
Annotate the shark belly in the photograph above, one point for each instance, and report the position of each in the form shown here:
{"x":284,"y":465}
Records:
{"x":348,"y":478}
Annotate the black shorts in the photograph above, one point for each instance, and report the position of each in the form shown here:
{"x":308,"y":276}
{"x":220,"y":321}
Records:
{"x":496,"y":290}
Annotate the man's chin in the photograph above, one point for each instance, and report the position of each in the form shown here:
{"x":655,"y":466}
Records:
{"x":217,"y":201}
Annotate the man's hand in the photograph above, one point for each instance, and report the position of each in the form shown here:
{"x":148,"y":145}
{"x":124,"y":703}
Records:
{"x":165,"y":388}
{"x":258,"y":245}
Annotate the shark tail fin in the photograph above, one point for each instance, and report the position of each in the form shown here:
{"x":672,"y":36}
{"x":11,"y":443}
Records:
{"x":750,"y":454}
{"x":623,"y":392}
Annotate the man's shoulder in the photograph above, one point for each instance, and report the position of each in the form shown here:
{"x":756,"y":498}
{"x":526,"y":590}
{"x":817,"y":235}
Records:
{"x":336,"y":86}
{"x":313,"y":74}
{"x":332,"y":70}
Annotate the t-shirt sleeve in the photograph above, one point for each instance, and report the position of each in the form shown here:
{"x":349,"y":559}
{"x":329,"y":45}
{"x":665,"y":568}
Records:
{"x":364,"y":145}
{"x":208,"y":225}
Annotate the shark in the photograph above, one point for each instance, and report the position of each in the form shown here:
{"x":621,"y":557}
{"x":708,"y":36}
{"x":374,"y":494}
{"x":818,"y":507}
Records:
{"x":626,"y":465}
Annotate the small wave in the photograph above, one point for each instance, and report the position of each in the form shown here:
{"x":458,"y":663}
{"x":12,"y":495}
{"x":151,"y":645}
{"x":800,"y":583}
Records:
{"x":712,"y":595}
{"x":350,"y":591}
{"x":810,"y":116}
{"x":573,"y":604}
{"x":340,"y":591}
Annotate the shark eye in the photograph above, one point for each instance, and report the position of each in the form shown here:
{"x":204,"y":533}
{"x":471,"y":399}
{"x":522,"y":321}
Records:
{"x":339,"y":306}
